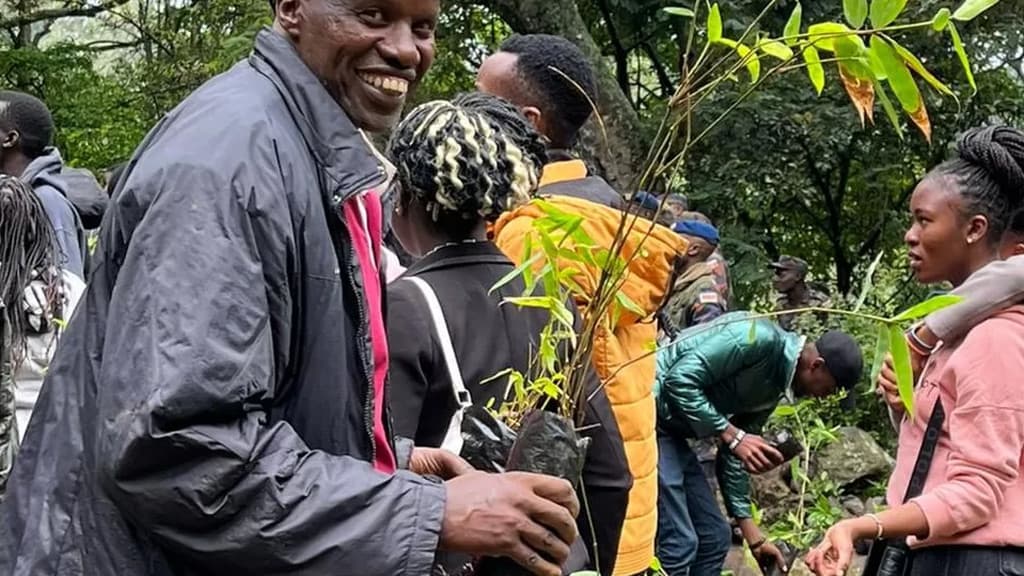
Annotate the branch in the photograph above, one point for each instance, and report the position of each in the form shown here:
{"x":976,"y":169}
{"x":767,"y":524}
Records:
{"x":621,"y":65}
{"x":667,"y":88}
{"x":56,"y":13}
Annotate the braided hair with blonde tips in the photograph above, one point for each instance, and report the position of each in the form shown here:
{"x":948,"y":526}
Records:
{"x":988,"y":170}
{"x":466,"y":160}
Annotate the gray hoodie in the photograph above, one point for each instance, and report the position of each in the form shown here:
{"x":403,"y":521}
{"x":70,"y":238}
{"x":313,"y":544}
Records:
{"x":43,"y":174}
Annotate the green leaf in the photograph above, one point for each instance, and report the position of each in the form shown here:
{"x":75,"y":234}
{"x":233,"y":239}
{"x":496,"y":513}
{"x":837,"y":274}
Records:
{"x":869,"y":275}
{"x":823,"y":35}
{"x":814,"y":68}
{"x":881,"y":349}
{"x":627,"y":303}
{"x":941,"y":20}
{"x":751,"y":60}
{"x":927,"y":307}
{"x":714,"y":24}
{"x":901,"y":362}
{"x":883,"y":12}
{"x":784,"y":410}
{"x":775,"y":49}
{"x":856,"y":12}
{"x":792,"y":29}
{"x":585,"y":573}
{"x":958,"y":45}
{"x":515,"y":273}
{"x":917,"y":66}
{"x":970,"y":9}
{"x":853,"y":57}
{"x":900,"y":78}
{"x":890,"y":113}
{"x":675,"y":11}
{"x":752,"y":334}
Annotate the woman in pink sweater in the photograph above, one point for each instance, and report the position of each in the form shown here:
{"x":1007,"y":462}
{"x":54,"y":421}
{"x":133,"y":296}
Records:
{"x":969,"y":518}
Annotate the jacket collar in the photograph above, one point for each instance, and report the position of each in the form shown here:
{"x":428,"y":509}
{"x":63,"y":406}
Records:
{"x":563,"y":171}
{"x":455,"y":255}
{"x":691,"y":275}
{"x":349,"y":160}
{"x":793,"y":347}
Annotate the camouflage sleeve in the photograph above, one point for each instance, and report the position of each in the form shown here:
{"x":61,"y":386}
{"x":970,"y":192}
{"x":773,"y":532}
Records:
{"x":709,"y":305}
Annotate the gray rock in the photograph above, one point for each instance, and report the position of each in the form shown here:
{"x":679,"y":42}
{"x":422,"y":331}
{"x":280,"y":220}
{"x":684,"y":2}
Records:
{"x":853,"y":458}
{"x":853,"y":506}
{"x":770,"y":488}
{"x":875,"y":504}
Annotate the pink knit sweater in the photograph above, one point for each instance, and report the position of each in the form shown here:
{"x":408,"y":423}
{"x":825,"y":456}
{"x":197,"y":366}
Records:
{"x":974,"y":494}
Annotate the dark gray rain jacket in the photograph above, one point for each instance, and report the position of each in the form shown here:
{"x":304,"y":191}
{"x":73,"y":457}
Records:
{"x":209,"y":409}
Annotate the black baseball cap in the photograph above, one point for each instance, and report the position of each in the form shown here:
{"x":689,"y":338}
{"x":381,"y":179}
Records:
{"x":790,"y":263}
{"x":844,"y":361}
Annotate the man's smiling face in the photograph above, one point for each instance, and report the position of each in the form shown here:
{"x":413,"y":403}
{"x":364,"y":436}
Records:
{"x":369,"y":54}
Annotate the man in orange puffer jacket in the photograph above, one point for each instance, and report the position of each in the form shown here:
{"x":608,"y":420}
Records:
{"x":523,"y":72}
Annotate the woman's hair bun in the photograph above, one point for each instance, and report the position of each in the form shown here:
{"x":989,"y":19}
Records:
{"x":999,"y":151}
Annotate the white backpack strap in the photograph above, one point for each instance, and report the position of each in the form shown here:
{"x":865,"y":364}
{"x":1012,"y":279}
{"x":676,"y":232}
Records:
{"x":453,"y":438}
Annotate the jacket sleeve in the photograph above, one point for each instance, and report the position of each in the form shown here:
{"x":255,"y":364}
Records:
{"x":410,"y":356}
{"x":987,"y":422}
{"x":732,"y":476}
{"x":199,"y":311}
{"x":699,"y":361}
{"x":986,"y":292}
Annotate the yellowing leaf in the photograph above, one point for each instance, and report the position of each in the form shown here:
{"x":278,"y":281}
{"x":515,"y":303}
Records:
{"x":775,"y":49}
{"x":941,"y":20}
{"x":792,"y":29}
{"x":856,"y":12}
{"x":970,"y":9}
{"x":883,"y":12}
{"x":814,"y":68}
{"x":921,"y":120}
{"x":958,"y":45}
{"x":752,"y":62}
{"x":862,"y":93}
{"x":901,"y":362}
{"x":917,"y":66}
{"x":822,"y":36}
{"x":714,"y":24}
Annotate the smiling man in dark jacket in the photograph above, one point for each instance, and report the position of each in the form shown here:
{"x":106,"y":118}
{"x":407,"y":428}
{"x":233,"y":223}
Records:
{"x":217,"y":405}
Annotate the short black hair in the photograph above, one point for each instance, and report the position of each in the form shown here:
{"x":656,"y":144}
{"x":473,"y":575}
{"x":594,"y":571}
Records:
{"x":549,"y":67}
{"x":988,"y":169}
{"x":30,"y":117}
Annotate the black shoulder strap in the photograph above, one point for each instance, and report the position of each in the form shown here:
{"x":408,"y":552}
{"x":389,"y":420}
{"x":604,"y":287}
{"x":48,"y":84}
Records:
{"x":924,"y":457}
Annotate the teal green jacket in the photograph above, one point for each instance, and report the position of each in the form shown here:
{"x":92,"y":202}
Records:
{"x":723,"y":372}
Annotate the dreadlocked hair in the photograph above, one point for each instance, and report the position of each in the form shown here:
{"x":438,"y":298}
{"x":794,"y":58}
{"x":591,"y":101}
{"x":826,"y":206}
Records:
{"x":27,"y":251}
{"x":465,"y":160}
{"x":989,"y":171}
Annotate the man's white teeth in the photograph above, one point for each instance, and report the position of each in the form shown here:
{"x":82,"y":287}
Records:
{"x":387,"y":83}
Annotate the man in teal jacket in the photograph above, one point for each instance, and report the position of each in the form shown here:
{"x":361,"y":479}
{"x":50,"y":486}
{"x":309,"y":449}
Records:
{"x":724,"y":380}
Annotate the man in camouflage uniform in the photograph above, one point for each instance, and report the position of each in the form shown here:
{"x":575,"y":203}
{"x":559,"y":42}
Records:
{"x":790,"y":281}
{"x":694,"y":298}
{"x":716,"y":261}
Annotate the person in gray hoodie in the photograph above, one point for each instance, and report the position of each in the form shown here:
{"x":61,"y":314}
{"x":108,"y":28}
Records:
{"x":26,"y":152}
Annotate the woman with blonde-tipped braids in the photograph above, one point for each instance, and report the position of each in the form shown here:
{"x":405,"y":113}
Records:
{"x":461,"y":164}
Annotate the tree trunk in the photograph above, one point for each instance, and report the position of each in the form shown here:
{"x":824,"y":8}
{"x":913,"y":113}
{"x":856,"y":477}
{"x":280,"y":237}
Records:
{"x":618,"y":153}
